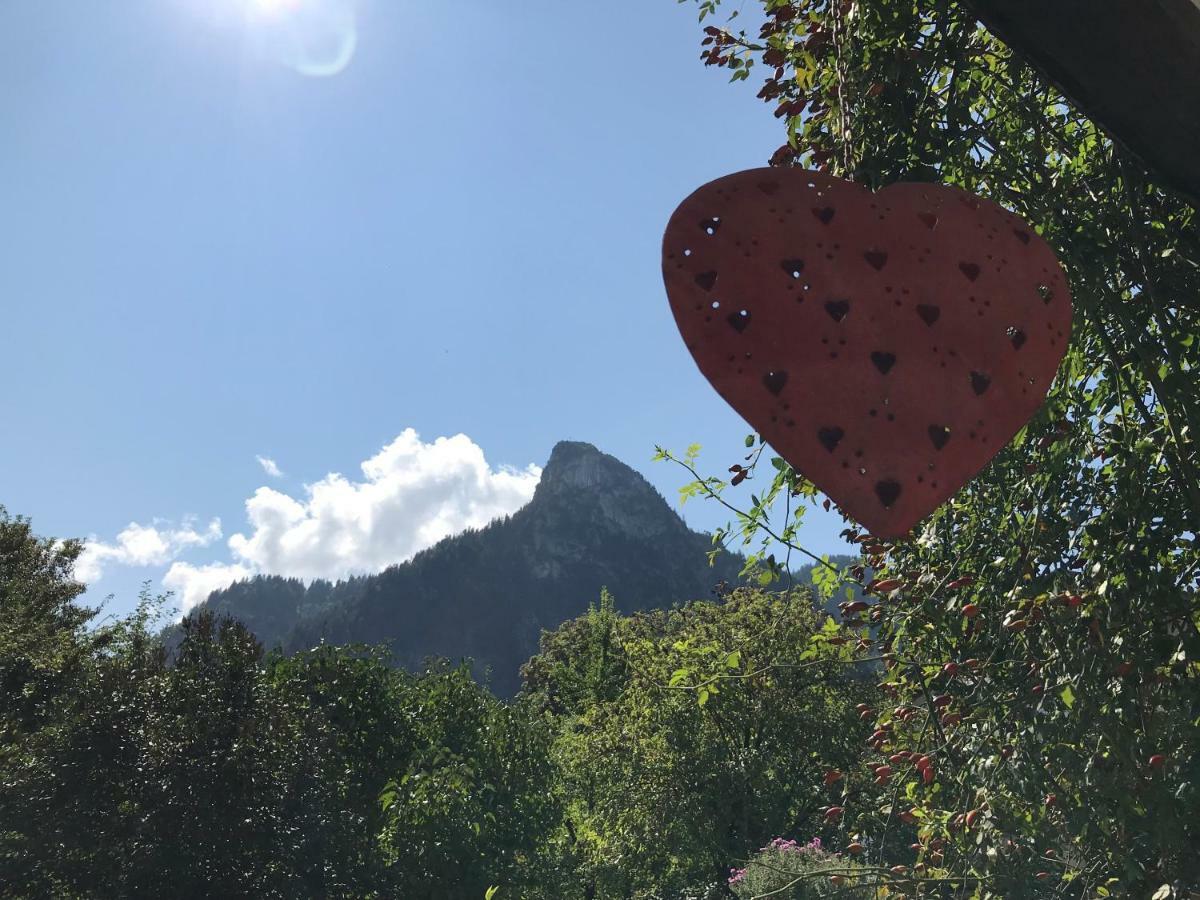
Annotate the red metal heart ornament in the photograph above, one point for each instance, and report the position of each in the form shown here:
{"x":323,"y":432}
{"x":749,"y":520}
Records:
{"x":887,"y":345}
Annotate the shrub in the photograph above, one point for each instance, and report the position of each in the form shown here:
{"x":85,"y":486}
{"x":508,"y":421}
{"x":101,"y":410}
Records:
{"x":786,"y":870}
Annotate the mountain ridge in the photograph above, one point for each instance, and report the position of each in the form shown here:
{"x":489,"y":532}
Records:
{"x":487,"y":593}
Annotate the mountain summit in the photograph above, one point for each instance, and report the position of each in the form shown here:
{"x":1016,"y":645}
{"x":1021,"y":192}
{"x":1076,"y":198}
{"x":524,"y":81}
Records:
{"x":579,"y":473}
{"x":487,"y":594}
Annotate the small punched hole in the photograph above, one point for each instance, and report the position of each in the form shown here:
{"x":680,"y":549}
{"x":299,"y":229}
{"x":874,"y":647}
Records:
{"x":888,"y":492}
{"x":830,"y":437}
{"x":740,"y":320}
{"x":929,"y":313}
{"x":837,"y":309}
{"x":775,"y":381}
{"x":876,"y":258}
{"x":883,"y":361}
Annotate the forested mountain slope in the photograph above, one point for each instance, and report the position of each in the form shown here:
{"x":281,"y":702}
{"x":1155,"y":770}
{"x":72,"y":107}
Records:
{"x":487,"y":594}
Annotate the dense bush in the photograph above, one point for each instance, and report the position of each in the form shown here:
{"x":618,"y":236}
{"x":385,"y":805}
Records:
{"x":211,"y":770}
{"x":788,"y":870}
{"x":661,"y":791}
{"x":126,"y":771}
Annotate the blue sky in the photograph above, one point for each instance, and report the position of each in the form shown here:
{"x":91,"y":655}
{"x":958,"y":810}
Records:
{"x":211,"y":256}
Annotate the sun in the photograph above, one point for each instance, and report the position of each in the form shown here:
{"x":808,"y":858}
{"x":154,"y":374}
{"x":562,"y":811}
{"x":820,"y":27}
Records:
{"x":317,"y":38}
{"x":273,"y":7}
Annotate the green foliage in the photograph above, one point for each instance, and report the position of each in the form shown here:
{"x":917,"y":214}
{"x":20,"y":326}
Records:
{"x":581,"y":663}
{"x":213,"y":772}
{"x":646,"y":752}
{"x":41,"y":630}
{"x":208,"y":771}
{"x":474,"y":806}
{"x":692,"y":735}
{"x":1063,"y":717}
{"x":755,"y":522}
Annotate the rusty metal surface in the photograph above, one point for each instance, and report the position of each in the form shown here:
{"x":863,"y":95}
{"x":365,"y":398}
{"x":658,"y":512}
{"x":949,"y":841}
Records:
{"x":1131,"y":65}
{"x":886,"y":345}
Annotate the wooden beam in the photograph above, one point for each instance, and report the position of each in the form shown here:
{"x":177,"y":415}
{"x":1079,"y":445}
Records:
{"x":1131,"y":65}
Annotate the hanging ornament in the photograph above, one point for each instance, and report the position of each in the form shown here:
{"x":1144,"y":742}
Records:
{"x":887,"y":345}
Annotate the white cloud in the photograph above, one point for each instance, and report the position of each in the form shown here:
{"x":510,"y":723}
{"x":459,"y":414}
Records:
{"x":142,"y":545}
{"x":192,"y":584}
{"x":412,"y":495}
{"x":269,"y":466}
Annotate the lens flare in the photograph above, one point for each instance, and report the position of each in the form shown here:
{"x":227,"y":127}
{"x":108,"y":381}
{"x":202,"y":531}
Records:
{"x":314,"y":37}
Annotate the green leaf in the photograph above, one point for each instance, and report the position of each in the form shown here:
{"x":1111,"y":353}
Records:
{"x":1068,"y":696}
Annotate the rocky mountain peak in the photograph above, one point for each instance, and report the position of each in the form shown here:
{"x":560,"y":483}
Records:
{"x":586,"y":479}
{"x":580,"y":466}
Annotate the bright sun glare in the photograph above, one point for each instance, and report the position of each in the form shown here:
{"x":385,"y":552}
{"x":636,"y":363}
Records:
{"x":273,"y":7}
{"x":317,"y":38}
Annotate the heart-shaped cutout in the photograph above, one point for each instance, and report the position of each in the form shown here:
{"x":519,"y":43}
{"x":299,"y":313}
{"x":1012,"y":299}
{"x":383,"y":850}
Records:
{"x":885,"y":359}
